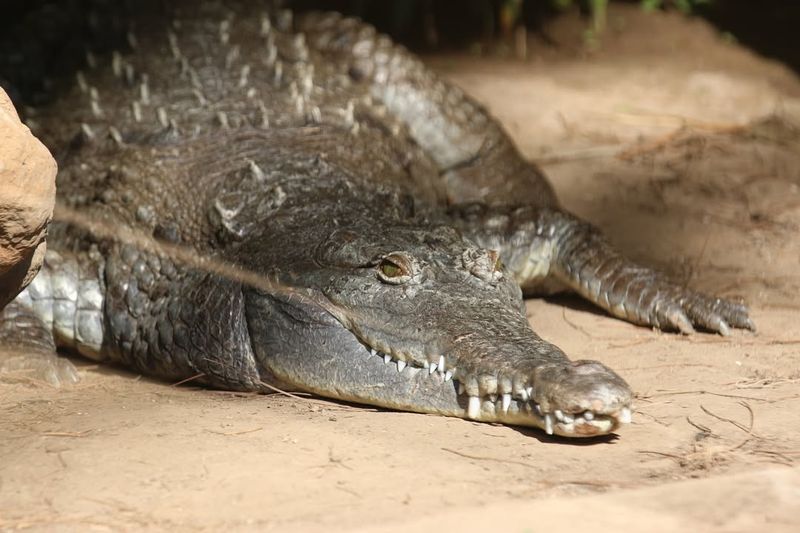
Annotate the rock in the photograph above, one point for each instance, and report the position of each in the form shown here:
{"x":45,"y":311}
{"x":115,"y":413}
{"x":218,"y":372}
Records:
{"x":27,"y":198}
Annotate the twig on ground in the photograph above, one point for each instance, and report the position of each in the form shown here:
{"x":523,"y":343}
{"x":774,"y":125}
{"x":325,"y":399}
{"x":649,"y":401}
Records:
{"x":234,"y":433}
{"x":700,"y":391}
{"x":650,"y":146}
{"x":494,"y":459}
{"x":83,"y":433}
{"x":273,"y":388}
{"x":663,"y":454}
{"x":572,"y":324}
{"x":329,"y":404}
{"x":635,"y":342}
{"x":579,"y":154}
{"x":192,"y":378}
{"x":667,"y":365}
{"x":655,"y":419}
{"x":590,"y":483}
{"x":702,"y":428}
{"x":748,"y":430}
{"x":783,"y":457}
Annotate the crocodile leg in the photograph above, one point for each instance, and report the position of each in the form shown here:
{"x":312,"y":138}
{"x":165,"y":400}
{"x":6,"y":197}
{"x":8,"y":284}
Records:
{"x":138,"y":309}
{"x":169,"y":319}
{"x":541,"y":246}
{"x":27,"y":347}
{"x":60,"y":307}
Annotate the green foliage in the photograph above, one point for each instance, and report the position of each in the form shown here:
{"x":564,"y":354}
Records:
{"x":599,"y":12}
{"x":685,"y":6}
{"x":599,"y":15}
{"x":561,"y":4}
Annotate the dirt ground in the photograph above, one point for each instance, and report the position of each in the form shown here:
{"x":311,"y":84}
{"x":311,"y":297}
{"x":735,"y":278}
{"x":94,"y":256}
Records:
{"x":685,"y":148}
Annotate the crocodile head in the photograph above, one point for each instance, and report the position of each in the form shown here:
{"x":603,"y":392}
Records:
{"x":419,"y":319}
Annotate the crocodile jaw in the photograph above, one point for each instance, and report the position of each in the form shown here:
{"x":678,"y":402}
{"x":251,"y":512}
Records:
{"x":581,"y":414}
{"x":327,"y":359}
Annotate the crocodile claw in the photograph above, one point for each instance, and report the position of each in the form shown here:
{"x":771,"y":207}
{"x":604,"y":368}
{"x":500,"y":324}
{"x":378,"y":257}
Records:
{"x":679,"y":309}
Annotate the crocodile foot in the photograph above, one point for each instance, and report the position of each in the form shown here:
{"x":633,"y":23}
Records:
{"x":37,"y":367}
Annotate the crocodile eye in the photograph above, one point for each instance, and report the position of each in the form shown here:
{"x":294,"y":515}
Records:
{"x":390,"y":270}
{"x":395,"y":268}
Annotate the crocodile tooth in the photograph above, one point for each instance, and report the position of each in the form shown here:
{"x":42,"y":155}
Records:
{"x":400,"y":365}
{"x":559,"y":415}
{"x":548,"y":424}
{"x":474,"y":407}
{"x":461,"y":388}
{"x":448,"y":375}
{"x":568,"y":418}
{"x":538,"y":408}
{"x":588,"y":415}
{"x":425,"y":364}
{"x":386,"y":358}
{"x":523,"y":394}
{"x":372,"y":351}
{"x":506,"y":402}
{"x":432,"y":368}
{"x":529,"y":390}
{"x":625,"y":415}
{"x":440,"y":366}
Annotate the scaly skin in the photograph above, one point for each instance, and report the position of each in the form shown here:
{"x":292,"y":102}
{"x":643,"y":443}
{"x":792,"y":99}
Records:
{"x":265,"y":203}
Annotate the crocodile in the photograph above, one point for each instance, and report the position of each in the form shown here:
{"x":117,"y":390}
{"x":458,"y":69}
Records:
{"x":258,"y":200}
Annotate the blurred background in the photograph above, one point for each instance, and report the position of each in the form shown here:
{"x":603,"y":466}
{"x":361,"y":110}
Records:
{"x":521,"y":29}
{"x":767,"y":26}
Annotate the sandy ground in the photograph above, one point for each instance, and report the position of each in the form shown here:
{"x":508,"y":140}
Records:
{"x":686,"y":150}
